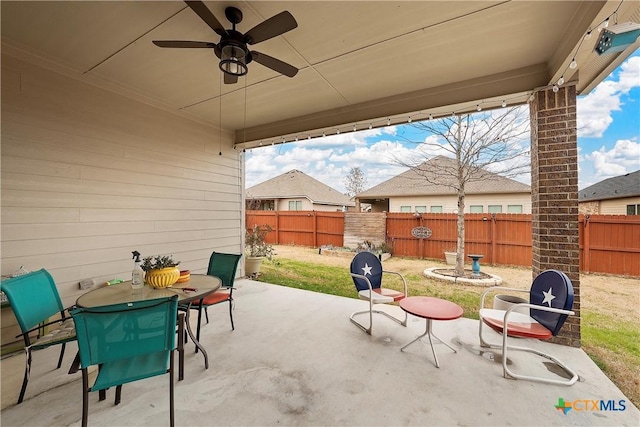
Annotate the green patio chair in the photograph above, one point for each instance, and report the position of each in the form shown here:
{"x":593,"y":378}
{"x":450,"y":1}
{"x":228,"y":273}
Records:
{"x":35,"y":300}
{"x":128,"y":342}
{"x":223,"y":266}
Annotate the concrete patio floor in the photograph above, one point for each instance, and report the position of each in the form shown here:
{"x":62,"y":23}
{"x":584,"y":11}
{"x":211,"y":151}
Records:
{"x":295,"y":359}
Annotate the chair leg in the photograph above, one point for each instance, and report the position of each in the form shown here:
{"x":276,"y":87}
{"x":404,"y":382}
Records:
{"x":85,"y":397}
{"x":118,"y":394}
{"x":360,"y":325}
{"x":61,"y":355}
{"x":371,"y":311}
{"x":27,"y":372}
{"x":171,"y":405}
{"x":181,"y":333}
{"x":509,"y":373}
{"x":231,"y":314}
{"x":206,"y":314}
{"x":483,"y":343}
{"x":199,"y":321}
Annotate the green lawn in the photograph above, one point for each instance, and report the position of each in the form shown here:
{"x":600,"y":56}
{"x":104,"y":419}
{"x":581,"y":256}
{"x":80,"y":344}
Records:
{"x":613,"y":344}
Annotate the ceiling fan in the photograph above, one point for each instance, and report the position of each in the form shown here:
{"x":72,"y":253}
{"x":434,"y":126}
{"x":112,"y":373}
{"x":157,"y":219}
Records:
{"x":232,"y":49}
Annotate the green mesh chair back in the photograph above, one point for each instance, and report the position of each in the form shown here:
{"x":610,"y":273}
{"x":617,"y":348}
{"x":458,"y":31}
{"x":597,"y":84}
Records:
{"x":224,"y":266}
{"x":34,"y":300}
{"x":128,"y":342}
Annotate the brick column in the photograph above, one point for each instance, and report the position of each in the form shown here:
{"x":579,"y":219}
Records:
{"x":554,"y":193}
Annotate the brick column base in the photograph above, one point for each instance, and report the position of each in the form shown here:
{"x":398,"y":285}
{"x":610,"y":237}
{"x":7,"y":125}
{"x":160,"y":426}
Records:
{"x":554,"y":193}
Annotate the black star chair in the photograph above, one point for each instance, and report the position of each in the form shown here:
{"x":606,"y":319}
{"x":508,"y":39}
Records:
{"x":366,"y":271}
{"x":550,"y":303}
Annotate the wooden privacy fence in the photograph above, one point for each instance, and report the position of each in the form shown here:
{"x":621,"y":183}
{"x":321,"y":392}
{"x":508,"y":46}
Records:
{"x":301,"y":228}
{"x":501,"y":238}
{"x":608,"y":243}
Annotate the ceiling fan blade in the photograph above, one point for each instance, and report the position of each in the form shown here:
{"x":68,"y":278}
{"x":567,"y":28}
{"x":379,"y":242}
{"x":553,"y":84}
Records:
{"x":272,"y":27}
{"x":205,"y":14}
{"x":183,"y":44}
{"x":230,"y":78}
{"x":274,"y":64}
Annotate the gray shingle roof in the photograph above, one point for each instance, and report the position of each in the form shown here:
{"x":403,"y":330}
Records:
{"x":612,"y":188}
{"x":411,"y":183}
{"x":298,"y":184}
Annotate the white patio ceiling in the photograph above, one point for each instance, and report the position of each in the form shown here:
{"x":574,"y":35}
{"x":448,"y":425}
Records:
{"x":361,"y":63}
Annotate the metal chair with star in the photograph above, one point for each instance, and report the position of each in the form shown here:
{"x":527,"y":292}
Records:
{"x":550,"y":303}
{"x":366,"y":271}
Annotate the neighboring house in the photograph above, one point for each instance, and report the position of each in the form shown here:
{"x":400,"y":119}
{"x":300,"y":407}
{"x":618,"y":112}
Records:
{"x":410,"y":192}
{"x":614,"y":196}
{"x":296,"y":191}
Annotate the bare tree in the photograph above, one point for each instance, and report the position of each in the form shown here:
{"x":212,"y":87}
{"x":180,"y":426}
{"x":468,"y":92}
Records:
{"x":355,"y":181}
{"x":481,"y":147}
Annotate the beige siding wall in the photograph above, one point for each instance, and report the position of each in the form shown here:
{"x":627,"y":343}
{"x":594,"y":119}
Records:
{"x":450,"y":203}
{"x":89,"y":175}
{"x":617,"y":206}
{"x":283,"y":204}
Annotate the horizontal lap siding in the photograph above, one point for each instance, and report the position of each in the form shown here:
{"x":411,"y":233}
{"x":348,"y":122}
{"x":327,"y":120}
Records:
{"x":89,"y":175}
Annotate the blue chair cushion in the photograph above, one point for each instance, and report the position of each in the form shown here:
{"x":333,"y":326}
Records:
{"x":367,"y":264}
{"x":552,"y":288}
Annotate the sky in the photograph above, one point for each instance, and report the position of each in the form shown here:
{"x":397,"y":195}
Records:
{"x":608,"y":142}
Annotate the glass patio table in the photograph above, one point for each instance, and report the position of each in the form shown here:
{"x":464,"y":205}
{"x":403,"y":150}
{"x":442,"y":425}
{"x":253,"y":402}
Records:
{"x":198,"y":287}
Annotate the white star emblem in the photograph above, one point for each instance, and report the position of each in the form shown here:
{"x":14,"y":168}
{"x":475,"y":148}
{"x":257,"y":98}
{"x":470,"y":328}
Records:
{"x":548,"y":296}
{"x":366,"y":269}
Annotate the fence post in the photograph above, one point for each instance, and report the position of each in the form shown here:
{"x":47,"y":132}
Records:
{"x":277,"y":228}
{"x":315,"y":229}
{"x":585,"y":239}
{"x":421,"y":240}
{"x":493,"y":238}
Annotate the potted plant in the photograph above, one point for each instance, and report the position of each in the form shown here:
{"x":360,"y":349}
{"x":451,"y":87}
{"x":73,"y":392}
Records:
{"x":256,"y":248}
{"x":161,"y":271}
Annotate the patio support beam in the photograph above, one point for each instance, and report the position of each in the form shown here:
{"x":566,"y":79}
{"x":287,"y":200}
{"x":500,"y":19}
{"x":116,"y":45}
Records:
{"x":554,"y":192}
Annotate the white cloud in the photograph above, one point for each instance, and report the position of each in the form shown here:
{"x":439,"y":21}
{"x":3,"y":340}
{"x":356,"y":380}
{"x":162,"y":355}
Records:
{"x":594,"y":109}
{"x":330,"y":159}
{"x":623,"y":158}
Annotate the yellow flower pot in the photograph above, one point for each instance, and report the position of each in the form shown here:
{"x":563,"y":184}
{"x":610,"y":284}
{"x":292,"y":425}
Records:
{"x":163,"y":277}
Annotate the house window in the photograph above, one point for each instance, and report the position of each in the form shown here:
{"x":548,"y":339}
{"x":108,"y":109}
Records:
{"x":421,"y":209}
{"x":295,"y":205}
{"x":267,"y":205}
{"x":475,"y":209}
{"x":436,"y":209}
{"x":405,"y":208}
{"x":514,"y":208}
{"x":633,"y":209}
{"x":495,"y":209}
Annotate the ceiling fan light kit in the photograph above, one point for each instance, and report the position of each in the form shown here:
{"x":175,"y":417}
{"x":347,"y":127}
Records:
{"x":233,"y":60}
{"x":232,"y":48}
